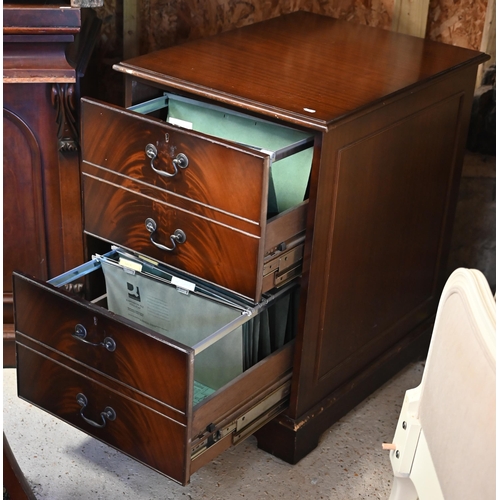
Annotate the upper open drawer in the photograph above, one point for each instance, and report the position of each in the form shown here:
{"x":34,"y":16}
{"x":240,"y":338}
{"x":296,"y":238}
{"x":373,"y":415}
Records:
{"x":209,"y":205}
{"x":211,"y":156}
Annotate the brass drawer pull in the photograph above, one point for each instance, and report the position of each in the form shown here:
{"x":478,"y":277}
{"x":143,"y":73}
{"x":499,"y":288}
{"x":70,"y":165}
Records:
{"x":179,"y":236}
{"x":180,"y":161}
{"x":81,"y":332}
{"x":108,"y":412}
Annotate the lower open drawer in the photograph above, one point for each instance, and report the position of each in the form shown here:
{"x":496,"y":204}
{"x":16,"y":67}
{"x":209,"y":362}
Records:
{"x":169,"y":394}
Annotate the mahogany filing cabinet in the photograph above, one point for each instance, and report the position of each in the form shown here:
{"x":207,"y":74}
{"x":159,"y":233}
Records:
{"x":278,"y":198}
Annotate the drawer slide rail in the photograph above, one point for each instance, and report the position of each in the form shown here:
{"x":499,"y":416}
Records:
{"x":248,"y":423}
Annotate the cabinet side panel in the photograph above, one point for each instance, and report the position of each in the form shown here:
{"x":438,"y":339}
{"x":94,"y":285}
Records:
{"x":386,"y":246}
{"x":386,"y":199}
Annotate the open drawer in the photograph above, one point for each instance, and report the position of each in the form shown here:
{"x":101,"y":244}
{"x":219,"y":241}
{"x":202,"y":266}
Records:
{"x":199,"y":372}
{"x":210,"y":191}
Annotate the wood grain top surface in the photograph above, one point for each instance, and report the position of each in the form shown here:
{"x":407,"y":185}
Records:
{"x":301,"y":67}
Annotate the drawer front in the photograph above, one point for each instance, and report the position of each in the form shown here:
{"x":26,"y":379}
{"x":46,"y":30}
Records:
{"x":146,"y":362}
{"x":219,"y":174}
{"x":126,"y":396}
{"x":166,"y":197}
{"x":212,"y":251}
{"x":132,"y":428}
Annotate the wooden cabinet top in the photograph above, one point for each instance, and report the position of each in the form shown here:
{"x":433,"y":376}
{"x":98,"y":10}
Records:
{"x":47,"y":43}
{"x":30,"y":19}
{"x":301,"y":67}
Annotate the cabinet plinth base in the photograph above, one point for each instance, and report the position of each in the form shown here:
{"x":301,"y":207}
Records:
{"x":9,"y":346}
{"x":292,"y":439}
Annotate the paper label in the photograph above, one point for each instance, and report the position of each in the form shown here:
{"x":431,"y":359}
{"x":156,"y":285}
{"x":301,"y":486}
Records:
{"x":185,"y":285}
{"x":180,"y":123}
{"x":130,"y":264}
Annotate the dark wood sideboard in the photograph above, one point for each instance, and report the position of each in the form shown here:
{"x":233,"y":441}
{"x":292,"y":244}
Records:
{"x":386,"y":116}
{"x":45,"y":52}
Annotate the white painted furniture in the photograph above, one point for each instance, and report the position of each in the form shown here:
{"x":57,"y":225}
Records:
{"x":444,"y":444}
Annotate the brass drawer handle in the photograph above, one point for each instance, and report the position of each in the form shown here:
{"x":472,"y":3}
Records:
{"x":179,"y":236}
{"x":108,"y":412}
{"x":81,"y":332}
{"x":180,"y":161}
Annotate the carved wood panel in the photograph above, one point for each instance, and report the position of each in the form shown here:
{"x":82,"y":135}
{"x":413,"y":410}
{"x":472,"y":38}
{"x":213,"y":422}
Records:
{"x":24,"y":241}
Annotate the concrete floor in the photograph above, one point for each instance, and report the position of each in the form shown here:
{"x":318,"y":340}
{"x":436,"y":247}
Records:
{"x":61,"y":463}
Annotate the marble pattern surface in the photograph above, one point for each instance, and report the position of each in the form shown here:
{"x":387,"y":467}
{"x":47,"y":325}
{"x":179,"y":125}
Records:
{"x":168,"y":22}
{"x":457,"y":22}
{"x":163,"y":23}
